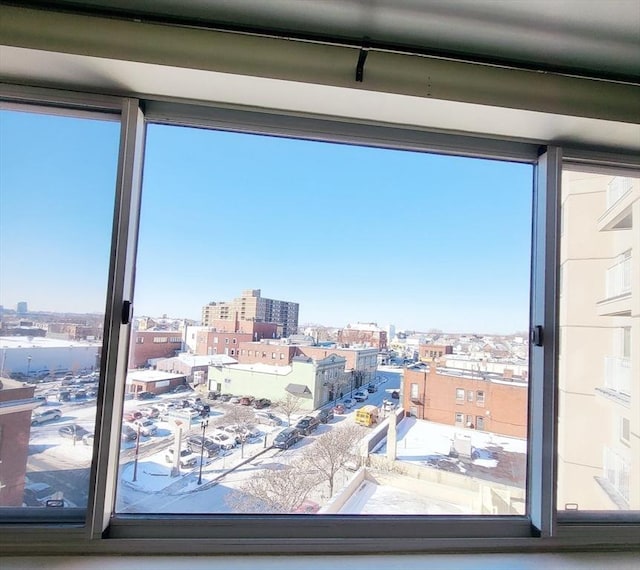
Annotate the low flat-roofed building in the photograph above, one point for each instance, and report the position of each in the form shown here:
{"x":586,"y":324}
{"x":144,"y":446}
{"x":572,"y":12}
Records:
{"x":153,"y":381}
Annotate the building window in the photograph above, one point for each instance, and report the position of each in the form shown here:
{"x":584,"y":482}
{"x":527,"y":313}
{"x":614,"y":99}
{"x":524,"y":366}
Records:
{"x":226,"y":341}
{"x":480,"y":423}
{"x":414,"y":391}
{"x":625,"y":430}
{"x":215,"y":340}
{"x":140,"y":340}
{"x":281,"y":356}
{"x":273,"y":355}
{"x":160,"y":339}
{"x":469,"y":395}
{"x":459,"y":394}
{"x":480,"y":397}
{"x":235,"y":341}
{"x":459,"y":419}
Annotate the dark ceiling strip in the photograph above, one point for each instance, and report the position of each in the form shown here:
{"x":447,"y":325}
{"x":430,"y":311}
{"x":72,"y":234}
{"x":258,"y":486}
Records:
{"x":404,"y":49}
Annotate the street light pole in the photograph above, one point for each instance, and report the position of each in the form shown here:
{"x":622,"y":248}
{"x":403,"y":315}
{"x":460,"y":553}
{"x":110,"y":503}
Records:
{"x":28,"y":365}
{"x":203,"y":425}
{"x":135,"y":461}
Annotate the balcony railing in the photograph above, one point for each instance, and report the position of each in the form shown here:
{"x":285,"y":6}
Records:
{"x":619,"y":278}
{"x":617,"y":188}
{"x":617,"y":374}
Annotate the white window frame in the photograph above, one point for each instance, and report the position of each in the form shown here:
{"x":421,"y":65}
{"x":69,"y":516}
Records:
{"x":98,"y":531}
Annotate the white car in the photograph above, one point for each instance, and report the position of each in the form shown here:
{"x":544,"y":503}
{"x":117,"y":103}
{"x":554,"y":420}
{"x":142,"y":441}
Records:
{"x":147,"y":427}
{"x":224,"y":440}
{"x":360,"y":396}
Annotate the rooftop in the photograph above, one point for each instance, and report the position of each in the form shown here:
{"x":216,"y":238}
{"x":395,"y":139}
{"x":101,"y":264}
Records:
{"x":43,"y":342}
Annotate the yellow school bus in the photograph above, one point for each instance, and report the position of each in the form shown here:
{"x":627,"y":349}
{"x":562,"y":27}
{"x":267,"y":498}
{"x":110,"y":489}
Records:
{"x":367,"y":416}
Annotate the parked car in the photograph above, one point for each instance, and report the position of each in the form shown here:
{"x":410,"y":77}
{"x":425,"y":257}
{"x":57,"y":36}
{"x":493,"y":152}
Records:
{"x":246,"y":400}
{"x":145,"y":396}
{"x":226,"y":397}
{"x":395,"y":395}
{"x":128,"y":433}
{"x":338,"y":409}
{"x":360,"y":396}
{"x":261,"y":403}
{"x":187,"y":457}
{"x":234,"y":400}
{"x":147,"y":427}
{"x":196,"y":443}
{"x":40,"y":417}
{"x":307,"y":424}
{"x":307,"y":507}
{"x":348,"y":403}
{"x":37,"y":494}
{"x":132,"y":415}
{"x":268,"y":418}
{"x":181,"y":388}
{"x":371,"y":388}
{"x":149,"y":412}
{"x":224,"y":440}
{"x":324,"y":415}
{"x":286,"y":438}
{"x":73,"y":431}
{"x":388,"y":405}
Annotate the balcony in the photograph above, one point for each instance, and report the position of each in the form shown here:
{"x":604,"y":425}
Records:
{"x":621,"y":194}
{"x":618,"y":288}
{"x":617,"y":379}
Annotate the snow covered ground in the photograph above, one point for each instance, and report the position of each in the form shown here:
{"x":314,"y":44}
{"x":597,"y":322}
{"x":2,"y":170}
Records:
{"x":495,"y":457}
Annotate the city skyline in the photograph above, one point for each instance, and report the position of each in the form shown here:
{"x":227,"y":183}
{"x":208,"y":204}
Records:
{"x":352,"y":234}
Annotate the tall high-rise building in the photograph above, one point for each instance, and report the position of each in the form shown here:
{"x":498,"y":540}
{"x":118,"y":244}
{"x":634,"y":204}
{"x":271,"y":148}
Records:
{"x":599,"y":348}
{"x":22,"y":308}
{"x":250,"y":306}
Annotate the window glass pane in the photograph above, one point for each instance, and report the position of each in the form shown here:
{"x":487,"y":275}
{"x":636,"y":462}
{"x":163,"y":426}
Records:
{"x":599,"y":366}
{"x":57,"y":181}
{"x":393,"y":285}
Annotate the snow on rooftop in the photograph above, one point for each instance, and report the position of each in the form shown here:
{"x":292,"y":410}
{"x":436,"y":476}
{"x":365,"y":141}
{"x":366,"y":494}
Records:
{"x":151,"y":375}
{"x":262,"y":368}
{"x":370,"y":498}
{"x":43,"y":342}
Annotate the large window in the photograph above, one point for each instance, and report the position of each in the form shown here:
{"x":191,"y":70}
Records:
{"x":384,"y":248}
{"x":347,"y":260}
{"x":57,"y":181}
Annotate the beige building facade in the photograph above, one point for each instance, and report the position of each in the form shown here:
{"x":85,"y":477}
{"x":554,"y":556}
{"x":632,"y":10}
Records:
{"x":599,"y":343}
{"x":304,"y":377}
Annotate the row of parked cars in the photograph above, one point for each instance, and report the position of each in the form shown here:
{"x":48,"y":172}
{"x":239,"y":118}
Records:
{"x":305,"y":426}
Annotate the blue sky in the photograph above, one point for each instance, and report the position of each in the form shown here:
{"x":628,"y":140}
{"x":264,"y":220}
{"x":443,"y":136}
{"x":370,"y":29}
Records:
{"x":351,"y":233}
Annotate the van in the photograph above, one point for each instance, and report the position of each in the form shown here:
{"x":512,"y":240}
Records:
{"x":367,"y":416}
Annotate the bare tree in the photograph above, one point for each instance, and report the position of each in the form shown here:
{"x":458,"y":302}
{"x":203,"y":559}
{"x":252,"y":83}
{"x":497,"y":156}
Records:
{"x":289,"y":405}
{"x":241,"y":418}
{"x":332,"y":449}
{"x":280,"y":490}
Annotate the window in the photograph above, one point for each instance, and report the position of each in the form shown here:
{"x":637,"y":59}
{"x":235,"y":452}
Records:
{"x":625,"y":430}
{"x":414,"y":391}
{"x":480,"y":397}
{"x":57,"y":180}
{"x":143,"y":469}
{"x":215,"y":340}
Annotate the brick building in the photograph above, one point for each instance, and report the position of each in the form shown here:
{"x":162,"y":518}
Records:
{"x":485,"y":402}
{"x":363,"y":334}
{"x":251,"y":306}
{"x":225,"y":337}
{"x":278,"y":353}
{"x":147,"y":345}
{"x":427,"y":352}
{"x":16,"y":405}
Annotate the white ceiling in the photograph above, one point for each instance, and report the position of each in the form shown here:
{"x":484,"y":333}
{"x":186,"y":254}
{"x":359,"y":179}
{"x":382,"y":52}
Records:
{"x":593,"y":37}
